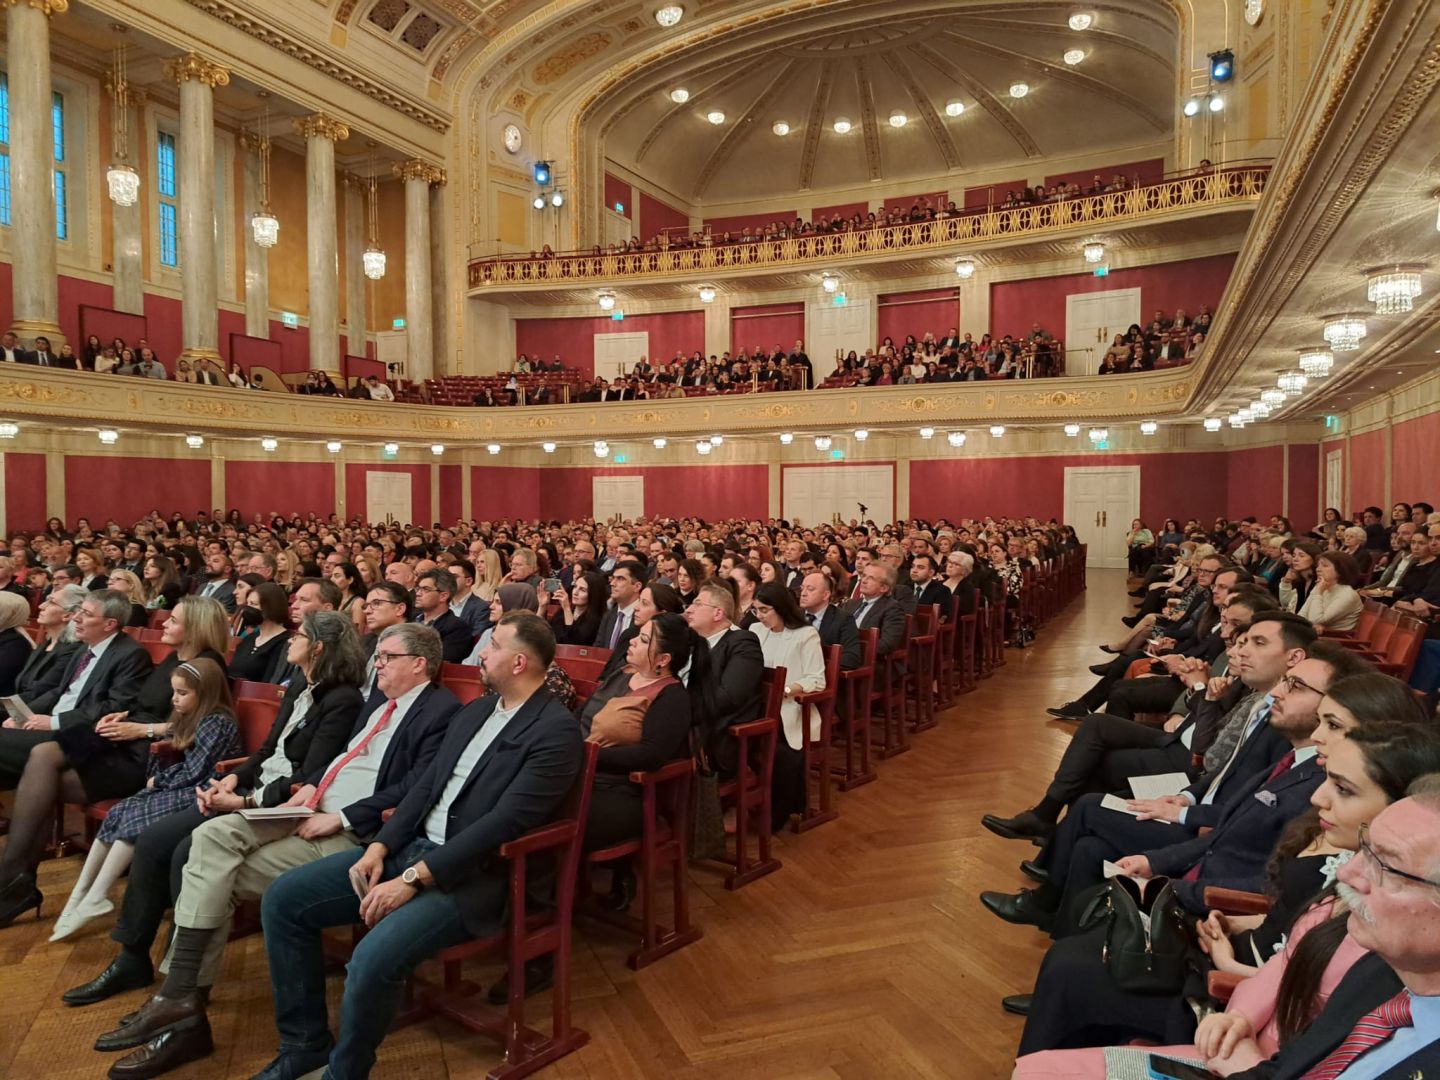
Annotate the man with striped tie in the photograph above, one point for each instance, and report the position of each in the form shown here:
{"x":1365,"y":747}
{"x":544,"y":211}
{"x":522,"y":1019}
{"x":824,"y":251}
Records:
{"x":1383,"y":1020}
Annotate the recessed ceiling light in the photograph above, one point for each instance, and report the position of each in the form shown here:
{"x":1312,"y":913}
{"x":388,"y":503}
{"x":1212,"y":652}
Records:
{"x":1019,"y":89}
{"x":898,"y":119}
{"x":1081,"y":20}
{"x":954,"y":108}
{"x":1074,"y":56}
{"x":715,"y":117}
{"x":679,"y":95}
{"x":842,"y":126}
{"x":781,"y":128}
{"x":669,"y":15}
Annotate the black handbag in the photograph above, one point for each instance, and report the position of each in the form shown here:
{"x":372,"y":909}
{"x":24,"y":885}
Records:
{"x":1147,"y":934}
{"x":707,"y":819}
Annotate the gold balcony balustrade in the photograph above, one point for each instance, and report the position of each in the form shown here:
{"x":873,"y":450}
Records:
{"x":1214,"y":190}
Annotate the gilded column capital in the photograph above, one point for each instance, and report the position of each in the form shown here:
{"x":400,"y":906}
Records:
{"x":194,"y":66}
{"x":322,"y":125}
{"x":48,"y":7}
{"x":417,"y":169}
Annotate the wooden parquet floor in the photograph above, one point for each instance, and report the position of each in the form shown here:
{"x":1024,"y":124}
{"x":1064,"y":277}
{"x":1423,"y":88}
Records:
{"x":867,"y":956}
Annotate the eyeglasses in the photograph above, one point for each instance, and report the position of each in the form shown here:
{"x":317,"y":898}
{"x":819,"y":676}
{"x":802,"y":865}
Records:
{"x":369,"y":604}
{"x":425,"y":589}
{"x":761,"y":610}
{"x":1381,"y":867}
{"x":383,"y":658}
{"x":702,"y":603}
{"x":1292,"y":684}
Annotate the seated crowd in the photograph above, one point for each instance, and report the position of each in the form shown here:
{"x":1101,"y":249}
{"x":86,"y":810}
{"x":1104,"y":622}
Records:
{"x":353,"y":625}
{"x":1241,"y":739}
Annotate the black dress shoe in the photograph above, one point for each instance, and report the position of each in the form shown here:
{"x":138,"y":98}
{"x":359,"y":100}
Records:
{"x":1019,"y":1004}
{"x":124,"y":973}
{"x":1026,"y":825}
{"x":293,"y":1064}
{"x":1109,"y":649}
{"x":166,"y":1051}
{"x":155,"y":1017}
{"x":1071,"y":710}
{"x":203,"y":995}
{"x":539,"y":975}
{"x":1035,"y":872}
{"x":18,"y":896}
{"x":1100,"y":669}
{"x":1022,"y":908}
{"x":1130,"y":620}
{"x":621,"y":894}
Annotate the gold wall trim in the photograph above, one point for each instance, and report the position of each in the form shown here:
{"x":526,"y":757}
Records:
{"x":1215,"y":191}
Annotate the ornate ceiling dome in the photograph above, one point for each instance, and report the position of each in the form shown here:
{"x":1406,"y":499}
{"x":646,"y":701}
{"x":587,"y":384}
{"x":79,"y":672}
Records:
{"x":892,"y":76}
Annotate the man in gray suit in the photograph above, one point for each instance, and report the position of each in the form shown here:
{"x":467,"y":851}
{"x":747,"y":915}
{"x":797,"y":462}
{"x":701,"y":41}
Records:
{"x":875,"y":607}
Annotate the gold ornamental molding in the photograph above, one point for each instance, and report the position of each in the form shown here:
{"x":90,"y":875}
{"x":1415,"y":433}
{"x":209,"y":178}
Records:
{"x":194,"y":66}
{"x":51,"y":399}
{"x":321,"y":125}
{"x":1214,"y":191}
{"x":419,"y":169}
{"x":47,"y":7}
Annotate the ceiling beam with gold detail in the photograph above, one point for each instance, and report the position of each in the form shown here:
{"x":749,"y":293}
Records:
{"x":869,"y":125}
{"x":742,"y":126}
{"x":986,"y":100}
{"x":925,"y":110}
{"x":818,"y":104}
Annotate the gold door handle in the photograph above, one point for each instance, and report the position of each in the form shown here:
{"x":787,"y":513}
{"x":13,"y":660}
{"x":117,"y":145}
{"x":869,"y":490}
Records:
{"x":1097,"y":519}
{"x":1105,"y":517}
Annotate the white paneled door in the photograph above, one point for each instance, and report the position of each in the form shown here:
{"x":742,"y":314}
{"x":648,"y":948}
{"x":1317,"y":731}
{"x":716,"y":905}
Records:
{"x":617,"y":496}
{"x":817,"y":493}
{"x":387,"y":497}
{"x":616,"y":354}
{"x":829,"y":329}
{"x":1101,"y":502}
{"x":1091,"y":322}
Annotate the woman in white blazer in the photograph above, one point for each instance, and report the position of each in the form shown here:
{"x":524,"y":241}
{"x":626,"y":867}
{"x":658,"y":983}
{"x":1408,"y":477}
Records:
{"x":788,"y":640}
{"x":1333,"y":604}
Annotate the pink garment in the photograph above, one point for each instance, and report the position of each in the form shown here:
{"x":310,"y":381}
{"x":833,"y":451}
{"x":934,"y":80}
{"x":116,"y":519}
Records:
{"x":1255,"y":998}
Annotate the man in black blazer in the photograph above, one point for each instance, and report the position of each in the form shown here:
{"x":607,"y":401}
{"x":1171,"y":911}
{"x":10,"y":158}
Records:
{"x":433,"y":591}
{"x":10,"y":350}
{"x":103,"y":677}
{"x":230,"y":859}
{"x":627,"y":582}
{"x":736,"y":665}
{"x":836,"y":628}
{"x":218,"y":581}
{"x":925,"y":587}
{"x":44,"y":356}
{"x":875,"y":607}
{"x":431,"y":878}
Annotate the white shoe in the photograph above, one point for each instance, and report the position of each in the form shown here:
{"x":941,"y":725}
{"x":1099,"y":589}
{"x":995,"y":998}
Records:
{"x":71,"y":921}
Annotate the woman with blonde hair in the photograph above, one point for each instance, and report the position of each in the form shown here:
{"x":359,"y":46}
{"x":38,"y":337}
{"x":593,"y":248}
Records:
{"x":288,"y":568}
{"x":202,"y":727}
{"x":490,"y":576}
{"x":15,"y":647}
{"x":369,"y":570}
{"x":128,"y":585}
{"x":92,"y":567}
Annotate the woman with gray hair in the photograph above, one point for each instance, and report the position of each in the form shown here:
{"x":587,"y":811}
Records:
{"x":15,"y":647}
{"x":47,"y":661}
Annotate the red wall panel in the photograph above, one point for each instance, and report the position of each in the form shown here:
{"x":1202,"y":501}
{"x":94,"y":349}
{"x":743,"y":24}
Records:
{"x":294,"y":346}
{"x":1016,"y":305}
{"x":1254,"y":482}
{"x":573,"y":339}
{"x":754,"y":222}
{"x":126,"y":489}
{"x":500,"y":492}
{"x":420,"y":509}
{"x":845,"y":210}
{"x":619,"y":191}
{"x":162,"y":324}
{"x":1367,"y":471}
{"x":286,"y":487}
{"x":656,"y":217}
{"x":767,"y":326}
{"x":978,"y":198}
{"x":1304,"y":502}
{"x":931,"y":310}
{"x":904,"y":202}
{"x":452,"y":480}
{"x":1413,"y":459}
{"x":25,"y":492}
{"x":74,"y":292}
{"x":1148,"y":171}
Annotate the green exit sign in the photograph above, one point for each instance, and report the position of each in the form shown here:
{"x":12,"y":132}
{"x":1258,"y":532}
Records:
{"x":397,"y":324}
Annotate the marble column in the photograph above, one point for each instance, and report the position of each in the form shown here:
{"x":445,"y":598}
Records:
{"x":419,"y":303}
{"x":257,"y":258}
{"x":356,"y":315}
{"x":321,"y":134}
{"x":128,"y":279}
{"x":199,"y":272}
{"x":440,"y":283}
{"x":35,"y":289}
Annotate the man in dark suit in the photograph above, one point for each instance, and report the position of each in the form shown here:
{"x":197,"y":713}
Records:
{"x":44,"y":356}
{"x":231,"y":859}
{"x":10,"y":350}
{"x":876,"y":608}
{"x":218,"y":582}
{"x":102,"y":678}
{"x":432,"y":602}
{"x":925,"y":587}
{"x":431,"y":878}
{"x":836,"y":628}
{"x":736,"y":665}
{"x":627,"y":581}
{"x":386,"y":605}
{"x":465,"y":605}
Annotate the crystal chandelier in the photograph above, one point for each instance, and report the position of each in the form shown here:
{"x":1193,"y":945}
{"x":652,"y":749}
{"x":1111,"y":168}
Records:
{"x":956,"y":439}
{"x":1344,"y":332}
{"x":829,"y":282}
{"x":707,"y":294}
{"x":1148,"y":427}
{"x":1259,"y":410}
{"x":1094,"y":251}
{"x":1237,"y":420}
{"x":1212,"y":423}
{"x":264,"y":225}
{"x":1292,"y":382}
{"x":1072,"y":430}
{"x":1393,"y":289}
{"x":669,"y":15}
{"x":1273,"y":398}
{"x":121,"y":179}
{"x":997,"y":431}
{"x":606,"y":300}
{"x":964,"y":268}
{"x":703,"y":446}
{"x":373,"y":259}
{"x":1316,"y":362}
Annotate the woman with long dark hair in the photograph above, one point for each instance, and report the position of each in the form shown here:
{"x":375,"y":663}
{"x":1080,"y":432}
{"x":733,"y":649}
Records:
{"x":581,"y":609}
{"x":788,"y":640}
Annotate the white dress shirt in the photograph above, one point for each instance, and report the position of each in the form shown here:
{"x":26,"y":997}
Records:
{"x":799,"y":652}
{"x":495,"y":723}
{"x":277,"y":765}
{"x":77,"y":686}
{"x":358,"y":778}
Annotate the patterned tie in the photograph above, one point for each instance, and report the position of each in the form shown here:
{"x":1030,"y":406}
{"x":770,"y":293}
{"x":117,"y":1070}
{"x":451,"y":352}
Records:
{"x":860,"y":612}
{"x":618,"y":629}
{"x":314,"y":801}
{"x":80,"y":668}
{"x":1281,"y":768}
{"x":1372,"y":1029}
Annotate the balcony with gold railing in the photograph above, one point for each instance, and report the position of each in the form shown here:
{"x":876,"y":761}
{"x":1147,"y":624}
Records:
{"x":1230,"y":188}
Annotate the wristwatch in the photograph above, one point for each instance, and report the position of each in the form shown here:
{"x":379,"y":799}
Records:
{"x":411,"y":877}
{"x":1198,"y":687}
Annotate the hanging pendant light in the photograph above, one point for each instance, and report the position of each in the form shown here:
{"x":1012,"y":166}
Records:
{"x":1344,"y":332}
{"x":1316,"y":362}
{"x":121,"y":179}
{"x":1393,"y":289}
{"x":372,"y":262}
{"x":264,"y":225}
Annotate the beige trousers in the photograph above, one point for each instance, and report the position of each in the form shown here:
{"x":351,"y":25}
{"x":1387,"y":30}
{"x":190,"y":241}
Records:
{"x":232,"y":860}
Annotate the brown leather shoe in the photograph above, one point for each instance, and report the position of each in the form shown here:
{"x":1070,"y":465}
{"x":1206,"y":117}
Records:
{"x":190,"y":1041}
{"x":157,"y":1015}
{"x":202,"y":995}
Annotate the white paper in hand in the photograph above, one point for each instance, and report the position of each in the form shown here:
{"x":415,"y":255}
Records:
{"x":18,"y":710}
{"x":1159,"y":785}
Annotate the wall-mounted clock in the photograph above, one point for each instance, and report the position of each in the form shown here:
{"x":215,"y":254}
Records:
{"x":512,"y":138}
{"x":1254,"y":11}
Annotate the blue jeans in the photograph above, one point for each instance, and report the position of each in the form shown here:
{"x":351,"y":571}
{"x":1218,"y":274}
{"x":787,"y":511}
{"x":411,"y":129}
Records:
{"x":305,"y":901}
